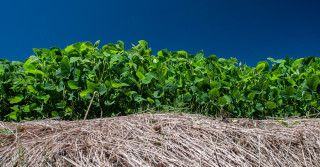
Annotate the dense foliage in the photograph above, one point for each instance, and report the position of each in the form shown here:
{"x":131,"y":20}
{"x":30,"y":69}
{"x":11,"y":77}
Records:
{"x":61,"y":82}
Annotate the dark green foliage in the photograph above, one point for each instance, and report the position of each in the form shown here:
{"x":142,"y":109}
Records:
{"x":60,"y":82}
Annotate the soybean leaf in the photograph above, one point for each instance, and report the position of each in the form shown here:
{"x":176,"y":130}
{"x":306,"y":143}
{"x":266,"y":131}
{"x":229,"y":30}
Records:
{"x":35,"y":72}
{"x":49,"y":86}
{"x":260,"y":67}
{"x":96,"y":44}
{"x":214,"y":93}
{"x":46,"y":99}
{"x":74,"y":59}
{"x":171,"y":86}
{"x":270,"y":105}
{"x":84,"y":93}
{"x":140,"y":75}
{"x":115,"y":84}
{"x":148,"y":78}
{"x":150,"y":100}
{"x":259,"y":107}
{"x":290,"y":91}
{"x":91,"y":87}
{"x":16,"y":99}
{"x":222,"y":101}
{"x":102,"y":90}
{"x":13,"y":115}
{"x":65,"y":67}
{"x":73,"y":84}
{"x":313,"y":82}
{"x":26,"y":108}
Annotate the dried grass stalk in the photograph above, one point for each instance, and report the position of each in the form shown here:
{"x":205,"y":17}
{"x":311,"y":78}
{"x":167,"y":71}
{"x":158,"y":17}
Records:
{"x":163,"y":139}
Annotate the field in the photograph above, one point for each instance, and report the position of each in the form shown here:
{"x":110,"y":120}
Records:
{"x":214,"y":111}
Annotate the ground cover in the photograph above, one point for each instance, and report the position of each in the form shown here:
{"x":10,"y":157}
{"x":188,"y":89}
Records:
{"x":161,"y":139}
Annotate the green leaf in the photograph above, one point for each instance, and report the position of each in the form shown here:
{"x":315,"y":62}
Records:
{"x":170,"y":86}
{"x":276,"y":61}
{"x":156,"y":94}
{"x":35,"y":72}
{"x":260,"y":67}
{"x":182,"y":54}
{"x":163,"y":69}
{"x":313,"y":82}
{"x":214,"y":93}
{"x":198,"y":80}
{"x":31,"y":63}
{"x":96,"y":44}
{"x":259,"y":107}
{"x":13,"y":115}
{"x":314,"y":104}
{"x":143,"y":43}
{"x":110,"y":47}
{"x":139,"y":98}
{"x":115,"y":84}
{"x":108,"y":84}
{"x":74,"y":47}
{"x":26,"y":108}
{"x":148,"y":78}
{"x":31,"y":89}
{"x":290,"y":91}
{"x":15,"y":109}
{"x":68,"y":109}
{"x":74,"y":59}
{"x":86,"y":46}
{"x":16,"y":99}
{"x":84,"y":93}
{"x":283,"y":123}
{"x":46,"y":99}
{"x":60,"y":86}
{"x":222,"y":101}
{"x":150,"y":100}
{"x":49,"y":86}
{"x":270,"y":105}
{"x":55,"y":114}
{"x":251,"y":96}
{"x":306,"y":95}
{"x":228,"y":84}
{"x":91,"y":86}
{"x":187,"y":97}
{"x":204,"y":98}
{"x":102,"y":90}
{"x":73,"y":84}
{"x":140,"y":75}
{"x":114,"y":58}
{"x":229,"y":99}
{"x":65,"y":67}
{"x":199,"y":56}
{"x":266,"y":65}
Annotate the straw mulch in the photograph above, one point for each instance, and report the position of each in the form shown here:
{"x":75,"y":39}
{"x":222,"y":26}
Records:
{"x":161,"y":140}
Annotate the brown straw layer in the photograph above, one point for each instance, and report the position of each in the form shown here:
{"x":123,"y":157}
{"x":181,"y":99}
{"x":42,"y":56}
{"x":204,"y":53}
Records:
{"x":161,"y":140}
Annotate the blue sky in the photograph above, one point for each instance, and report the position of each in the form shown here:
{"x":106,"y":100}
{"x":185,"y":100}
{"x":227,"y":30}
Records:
{"x":250,"y":30}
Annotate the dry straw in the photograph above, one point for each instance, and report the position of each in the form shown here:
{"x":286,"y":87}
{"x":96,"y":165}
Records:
{"x":161,"y":140}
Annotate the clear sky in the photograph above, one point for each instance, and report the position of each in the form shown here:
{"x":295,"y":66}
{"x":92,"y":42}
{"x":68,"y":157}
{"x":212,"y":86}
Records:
{"x":250,"y":30}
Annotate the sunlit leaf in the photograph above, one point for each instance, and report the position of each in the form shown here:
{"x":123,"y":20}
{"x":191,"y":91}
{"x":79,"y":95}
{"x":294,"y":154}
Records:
{"x":140,"y":75}
{"x":150,"y":100}
{"x":16,"y":99}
